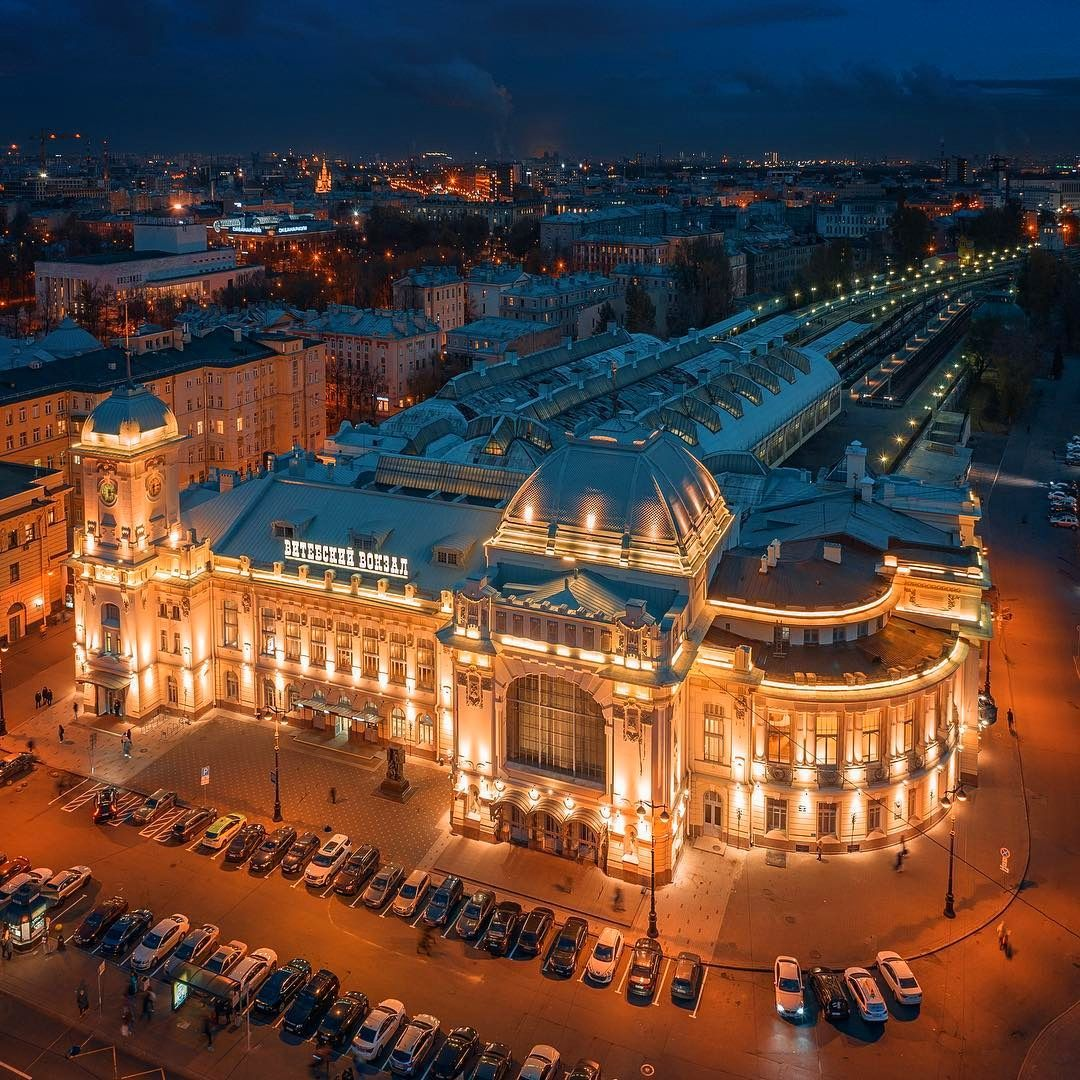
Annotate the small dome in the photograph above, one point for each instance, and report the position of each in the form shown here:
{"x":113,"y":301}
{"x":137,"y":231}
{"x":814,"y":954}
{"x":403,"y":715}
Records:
{"x":69,"y":339}
{"x":623,"y":494}
{"x":130,"y":415}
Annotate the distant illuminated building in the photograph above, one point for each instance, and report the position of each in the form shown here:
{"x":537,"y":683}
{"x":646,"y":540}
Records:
{"x":323,"y":182}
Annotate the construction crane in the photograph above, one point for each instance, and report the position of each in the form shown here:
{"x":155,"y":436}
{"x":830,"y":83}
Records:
{"x":46,"y":137}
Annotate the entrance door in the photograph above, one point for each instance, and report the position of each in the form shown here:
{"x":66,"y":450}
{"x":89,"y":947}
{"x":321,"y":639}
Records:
{"x":16,"y":622}
{"x":911,"y":803}
{"x":549,"y":834}
{"x":112,"y":703}
{"x":519,"y":827}
{"x":714,"y":814}
{"x":584,"y":843}
{"x":341,"y":725}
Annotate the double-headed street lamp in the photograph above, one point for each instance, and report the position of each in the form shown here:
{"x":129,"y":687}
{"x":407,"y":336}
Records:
{"x":946,"y":801}
{"x":665,"y":817}
{"x":267,"y":712}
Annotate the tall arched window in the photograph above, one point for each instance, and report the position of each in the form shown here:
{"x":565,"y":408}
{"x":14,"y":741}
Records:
{"x":555,"y":726}
{"x":232,"y":686}
{"x":110,"y":629}
{"x":173,"y":690}
{"x":399,"y":727}
{"x":269,"y":694}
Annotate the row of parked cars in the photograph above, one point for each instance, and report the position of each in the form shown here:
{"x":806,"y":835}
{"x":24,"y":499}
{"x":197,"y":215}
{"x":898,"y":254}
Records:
{"x":17,"y":874}
{"x":16,"y":767}
{"x":1061,"y":503}
{"x":836,"y":991}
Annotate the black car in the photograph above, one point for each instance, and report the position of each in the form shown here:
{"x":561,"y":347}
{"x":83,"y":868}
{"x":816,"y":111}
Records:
{"x":534,"y":930}
{"x":584,"y":1069}
{"x":476,"y":910}
{"x":105,"y":805}
{"x":503,"y":927}
{"x":493,"y":1063}
{"x":644,"y":968}
{"x":300,"y":853}
{"x":563,"y":958}
{"x":454,"y":1054}
{"x":686,"y":980}
{"x":828,"y":988}
{"x":340,"y":1024}
{"x":93,"y":927}
{"x":443,"y":901}
{"x":359,"y":866}
{"x":126,"y":931}
{"x":312,"y":1002}
{"x":283,"y":985}
{"x":192,"y":822}
{"x":272,"y":850}
{"x":244,"y":843}
{"x":17,"y":766}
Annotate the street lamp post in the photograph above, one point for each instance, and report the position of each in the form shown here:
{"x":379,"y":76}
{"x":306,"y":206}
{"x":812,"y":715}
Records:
{"x":946,"y":801}
{"x":653,"y":932}
{"x":267,"y":711}
{"x":3,"y":722}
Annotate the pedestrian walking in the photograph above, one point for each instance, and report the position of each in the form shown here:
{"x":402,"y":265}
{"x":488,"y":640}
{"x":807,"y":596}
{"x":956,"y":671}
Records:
{"x":1001,"y":934}
{"x":617,"y":899}
{"x":333,"y":796}
{"x":127,"y":735}
{"x":208,"y":1031}
{"x":60,"y":732}
{"x":61,"y":944}
{"x":899,"y":864}
{"x":1011,"y":720}
{"x":125,"y":745}
{"x":818,"y":845}
{"x":8,"y":948}
{"x":144,"y":983}
{"x":50,"y":697}
{"x":424,"y":944}
{"x":74,"y":710}
{"x":149,"y":1001}
{"x":44,"y":694}
{"x":127,"y":1021}
{"x":1006,"y":943}
{"x":133,"y":985}
{"x":82,"y":998}
{"x":37,"y":700}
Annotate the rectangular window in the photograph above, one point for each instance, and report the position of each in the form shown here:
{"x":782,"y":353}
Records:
{"x":874,"y":817}
{"x":343,"y":655}
{"x":425,"y":664}
{"x":164,"y":641}
{"x":907,"y":727}
{"x":779,"y":741}
{"x":776,"y":815}
{"x":371,"y":653}
{"x":500,"y":622}
{"x":714,"y":732}
{"x":268,"y":643}
{"x":427,"y":730}
{"x":826,"y":819}
{"x":826,"y":739}
{"x":810,"y":636}
{"x":534,"y":629}
{"x":518,"y":624}
{"x":871,"y":736}
{"x":13,"y":572}
{"x":292,"y":635}
{"x":397,"y":658}
{"x":318,"y":641}
{"x":176,"y":644}
{"x":570,"y":633}
{"x":552,"y":632}
{"x":231,"y":629}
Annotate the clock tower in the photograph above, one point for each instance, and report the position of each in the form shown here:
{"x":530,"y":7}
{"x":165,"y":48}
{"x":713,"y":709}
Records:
{"x":128,"y":457}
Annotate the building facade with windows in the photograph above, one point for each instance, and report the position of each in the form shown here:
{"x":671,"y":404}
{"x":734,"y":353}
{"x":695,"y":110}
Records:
{"x":437,"y":291}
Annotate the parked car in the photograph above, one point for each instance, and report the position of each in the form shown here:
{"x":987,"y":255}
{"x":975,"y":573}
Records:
{"x":605,"y":956}
{"x":193,"y":821}
{"x":244,"y":843}
{"x":414,"y":1045}
{"x":899,"y":978}
{"x":644,"y":967}
{"x":584,"y":1069}
{"x":534,"y":930}
{"x":18,"y":864}
{"x":283,"y":985}
{"x":220,"y":834}
{"x":383,"y":885}
{"x":252,"y":972}
{"x":788,"y":986}
{"x":159,"y":942}
{"x":300,"y":853}
{"x":378,"y":1030}
{"x":226,"y":957}
{"x":272,"y":850}
{"x":493,"y":1063}
{"x":35,"y":878}
{"x":866,"y":995}
{"x":828,"y":988}
{"x":443,"y":901}
{"x":105,"y":805}
{"x":154,"y":805}
{"x":455,"y":1054}
{"x":1064,"y":521}
{"x":541,"y":1064}
{"x":123,"y":933}
{"x":16,"y":766}
{"x":97,"y":922}
{"x":503,"y":927}
{"x":411,"y":894}
{"x":329,"y":859}
{"x":65,"y":882}
{"x":687,"y":976}
{"x":356,"y":872}
{"x":474,"y":914}
{"x":341,"y":1022}
{"x":311,"y":1004}
{"x":199,"y":942}
{"x":563,"y":958}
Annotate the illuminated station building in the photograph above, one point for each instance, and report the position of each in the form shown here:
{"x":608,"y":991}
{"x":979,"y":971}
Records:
{"x":611,"y":651}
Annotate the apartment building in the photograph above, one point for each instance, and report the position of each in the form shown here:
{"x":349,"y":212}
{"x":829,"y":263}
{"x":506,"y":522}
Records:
{"x":437,"y":291}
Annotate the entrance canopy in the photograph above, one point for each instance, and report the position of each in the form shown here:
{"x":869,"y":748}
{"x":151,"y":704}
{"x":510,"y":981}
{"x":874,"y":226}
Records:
{"x":109,"y":680}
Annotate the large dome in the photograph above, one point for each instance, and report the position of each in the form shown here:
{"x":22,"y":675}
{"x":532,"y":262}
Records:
{"x":623,"y":494}
{"x":130,"y":417}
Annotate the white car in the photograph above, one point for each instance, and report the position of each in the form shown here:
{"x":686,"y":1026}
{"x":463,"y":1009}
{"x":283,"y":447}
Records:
{"x":1064,"y":520}
{"x":899,"y":978}
{"x":38,"y":876}
{"x":252,"y":972}
{"x":328,"y":860}
{"x":541,"y":1064}
{"x":65,"y":882}
{"x":788,"y":985}
{"x":225,"y":958}
{"x":415,"y":1043}
{"x":199,"y":942}
{"x":411,"y":894}
{"x":866,"y":995}
{"x":605,"y":955}
{"x":220,"y":834}
{"x":159,"y":942}
{"x":378,"y":1030}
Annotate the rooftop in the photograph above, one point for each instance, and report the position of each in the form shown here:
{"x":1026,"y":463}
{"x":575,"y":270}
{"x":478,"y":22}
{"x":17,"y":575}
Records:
{"x":496,"y":329}
{"x":16,"y":479}
{"x":372,"y":322}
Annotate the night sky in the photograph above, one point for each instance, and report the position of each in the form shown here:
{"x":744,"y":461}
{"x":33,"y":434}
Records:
{"x":587,"y":77}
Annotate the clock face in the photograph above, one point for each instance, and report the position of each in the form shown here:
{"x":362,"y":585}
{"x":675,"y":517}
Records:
{"x":107,"y":491}
{"x":153,"y":486}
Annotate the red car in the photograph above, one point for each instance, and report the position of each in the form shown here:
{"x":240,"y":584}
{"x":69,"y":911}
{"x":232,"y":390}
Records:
{"x":18,"y":864}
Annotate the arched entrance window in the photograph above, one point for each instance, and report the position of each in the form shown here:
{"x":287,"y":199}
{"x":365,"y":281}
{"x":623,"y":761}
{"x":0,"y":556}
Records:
{"x":714,"y":814}
{"x":584,"y":841}
{"x":16,"y":622}
{"x":548,"y":832}
{"x":232,"y":686}
{"x":426,"y":732}
{"x":110,"y":629}
{"x":519,"y":827}
{"x":399,"y":726}
{"x":555,"y":726}
{"x":172,"y":690}
{"x":269,"y":694}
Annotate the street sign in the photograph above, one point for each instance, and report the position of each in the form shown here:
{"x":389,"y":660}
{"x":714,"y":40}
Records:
{"x":273,"y":776}
{"x":204,"y":779}
{"x":1005,"y":853}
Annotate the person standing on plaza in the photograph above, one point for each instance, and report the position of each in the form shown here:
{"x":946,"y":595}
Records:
{"x":37,"y":700}
{"x":127,"y":1021}
{"x":82,"y":998}
{"x":149,"y":1001}
{"x":60,"y":732}
{"x":208,"y":1031}
{"x":819,"y":846}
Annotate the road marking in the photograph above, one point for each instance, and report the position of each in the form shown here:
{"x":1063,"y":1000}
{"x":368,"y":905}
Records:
{"x":82,"y":799}
{"x":622,"y":981}
{"x":453,"y":925}
{"x":17,"y":1072}
{"x":65,"y":794}
{"x":195,"y":847}
{"x":700,"y":994}
{"x":359,"y":898}
{"x":64,"y":910}
{"x":386,"y":909}
{"x":220,"y":851}
{"x":279,"y":1021}
{"x":328,"y":890}
{"x":660,"y":984}
{"x":419,"y":915}
{"x":298,"y":881}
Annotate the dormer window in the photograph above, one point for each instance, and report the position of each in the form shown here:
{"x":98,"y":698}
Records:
{"x":283,"y":530}
{"x":447,"y":558}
